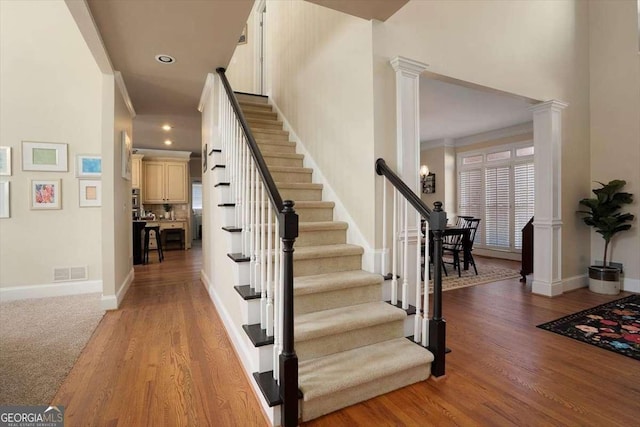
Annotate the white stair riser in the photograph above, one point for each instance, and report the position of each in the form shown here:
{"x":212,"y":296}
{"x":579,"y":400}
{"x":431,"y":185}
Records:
{"x":218,"y":175}
{"x":217,"y":158}
{"x":250,"y":311}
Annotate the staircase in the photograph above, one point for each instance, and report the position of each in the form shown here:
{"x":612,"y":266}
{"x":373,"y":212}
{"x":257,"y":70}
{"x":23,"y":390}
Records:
{"x":350,"y":344}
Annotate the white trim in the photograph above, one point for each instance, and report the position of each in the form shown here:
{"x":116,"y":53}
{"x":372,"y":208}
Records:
{"x":408,"y":66}
{"x":86,"y":24}
{"x":112,"y":302}
{"x":436,"y":143}
{"x":206,"y":91}
{"x":354,"y":235}
{"x":575,"y":282}
{"x":123,"y":91}
{"x":258,"y":34}
{"x":47,"y":290}
{"x":240,"y":348}
{"x":631,"y":285}
{"x":150,"y":153}
{"x":496,"y":253}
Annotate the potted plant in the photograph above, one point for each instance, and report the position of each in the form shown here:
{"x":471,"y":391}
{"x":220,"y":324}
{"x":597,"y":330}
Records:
{"x":604,"y":216}
{"x":167,"y":210}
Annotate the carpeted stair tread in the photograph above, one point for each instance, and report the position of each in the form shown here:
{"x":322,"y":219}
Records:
{"x":307,"y":285}
{"x":338,"y":320}
{"x":330,"y":374}
{"x":326,"y":251}
{"x":246,"y":103}
{"x":281,"y":143}
{"x":283,"y":155}
{"x":290,"y":169}
{"x":299,"y":186}
{"x":322,"y":225}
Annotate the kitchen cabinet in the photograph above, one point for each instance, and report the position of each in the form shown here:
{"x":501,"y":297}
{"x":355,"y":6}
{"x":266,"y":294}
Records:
{"x":165,"y":182}
{"x":136,"y":170}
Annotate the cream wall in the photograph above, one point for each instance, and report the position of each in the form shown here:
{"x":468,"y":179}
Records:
{"x":50,"y":92}
{"x":615,"y":120}
{"x":240,"y":71}
{"x":320,"y":64}
{"x":538,"y":50}
{"x":434,"y":159}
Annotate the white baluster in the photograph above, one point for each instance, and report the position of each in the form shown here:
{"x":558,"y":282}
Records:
{"x":417,"y":326}
{"x":276,"y":297}
{"x":256,"y":227}
{"x":263,"y":260}
{"x":279,"y":312}
{"x":237,"y":185}
{"x":405,"y":256}
{"x":385,"y":250}
{"x":394,"y":251}
{"x":252,"y":221}
{"x":247,"y":202}
{"x":425,"y":304}
{"x":270,"y":262}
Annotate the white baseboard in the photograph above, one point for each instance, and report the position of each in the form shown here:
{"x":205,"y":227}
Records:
{"x":575,"y":282}
{"x":546,"y":289}
{"x":241,"y":351}
{"x":513,"y":256}
{"x":354,"y":235}
{"x":631,"y":285}
{"x":50,"y":290}
{"x":112,"y":302}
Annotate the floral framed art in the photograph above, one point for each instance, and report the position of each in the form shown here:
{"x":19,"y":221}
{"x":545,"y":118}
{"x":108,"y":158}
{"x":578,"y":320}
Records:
{"x":88,"y":166}
{"x":46,"y":194}
{"x":90,"y":193}
{"x":44,"y":156}
{"x":5,"y":161}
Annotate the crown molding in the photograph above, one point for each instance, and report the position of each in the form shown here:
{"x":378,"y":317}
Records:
{"x":87,"y":25}
{"x":151,"y":153}
{"x":520,"y":129}
{"x":553,"y":104}
{"x":125,"y":94}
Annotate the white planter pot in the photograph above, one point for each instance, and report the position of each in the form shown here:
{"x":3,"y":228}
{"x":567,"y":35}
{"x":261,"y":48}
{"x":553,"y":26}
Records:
{"x":604,"y":280}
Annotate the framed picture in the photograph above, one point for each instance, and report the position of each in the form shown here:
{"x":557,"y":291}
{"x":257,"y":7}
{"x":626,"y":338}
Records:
{"x":88,"y":166}
{"x":46,"y":194}
{"x":90,"y":193}
{"x":126,"y":156}
{"x":429,"y":183}
{"x":5,"y":200}
{"x":204,"y":158}
{"x":5,"y":161}
{"x":243,"y":35}
{"x":44,"y":156}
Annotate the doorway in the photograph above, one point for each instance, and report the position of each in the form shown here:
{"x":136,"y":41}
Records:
{"x":260,"y":48}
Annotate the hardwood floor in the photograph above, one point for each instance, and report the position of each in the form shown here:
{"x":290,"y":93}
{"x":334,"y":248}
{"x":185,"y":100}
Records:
{"x":164,"y":359}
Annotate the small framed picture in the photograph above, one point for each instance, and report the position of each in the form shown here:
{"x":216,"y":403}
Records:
{"x":126,"y":156}
{"x":5,"y":161}
{"x":46,"y":194}
{"x":5,"y":200}
{"x":44,"y":156}
{"x":204,"y":158}
{"x":243,"y":36}
{"x":90,"y":193}
{"x":88,"y":166}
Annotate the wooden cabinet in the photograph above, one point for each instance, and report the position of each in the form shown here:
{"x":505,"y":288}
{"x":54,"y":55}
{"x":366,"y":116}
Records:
{"x":136,"y":170}
{"x":165,"y":182}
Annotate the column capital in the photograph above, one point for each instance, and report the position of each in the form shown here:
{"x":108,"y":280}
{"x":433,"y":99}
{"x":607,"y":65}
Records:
{"x":553,"y":104}
{"x":408,"y":66}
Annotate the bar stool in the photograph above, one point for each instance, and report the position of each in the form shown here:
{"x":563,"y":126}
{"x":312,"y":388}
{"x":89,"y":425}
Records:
{"x":147,"y":231}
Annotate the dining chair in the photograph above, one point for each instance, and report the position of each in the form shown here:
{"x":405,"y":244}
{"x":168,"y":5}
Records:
{"x":457,"y":244}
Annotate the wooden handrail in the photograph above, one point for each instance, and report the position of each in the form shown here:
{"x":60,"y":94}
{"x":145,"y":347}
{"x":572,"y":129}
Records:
{"x":416,"y":202}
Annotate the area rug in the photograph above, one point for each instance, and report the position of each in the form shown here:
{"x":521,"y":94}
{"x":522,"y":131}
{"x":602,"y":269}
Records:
{"x":486,"y":274}
{"x":614,"y":326}
{"x":40,"y":340}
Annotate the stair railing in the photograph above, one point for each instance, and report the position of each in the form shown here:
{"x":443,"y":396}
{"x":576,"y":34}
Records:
{"x":258,"y":205}
{"x":429,"y":332}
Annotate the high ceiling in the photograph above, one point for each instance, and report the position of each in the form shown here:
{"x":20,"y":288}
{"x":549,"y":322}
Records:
{"x":200,"y":35}
{"x":366,"y":9}
{"x":450,"y":110}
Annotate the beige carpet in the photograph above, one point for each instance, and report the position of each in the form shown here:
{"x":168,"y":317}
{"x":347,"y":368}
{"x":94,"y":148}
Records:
{"x":40,"y":340}
{"x":486,"y":274}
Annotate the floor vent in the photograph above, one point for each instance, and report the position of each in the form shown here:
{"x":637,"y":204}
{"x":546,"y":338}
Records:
{"x":67,"y":274}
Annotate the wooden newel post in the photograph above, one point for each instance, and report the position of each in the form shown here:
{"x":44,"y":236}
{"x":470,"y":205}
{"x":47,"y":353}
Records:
{"x":437,"y":325}
{"x":288,"y":358}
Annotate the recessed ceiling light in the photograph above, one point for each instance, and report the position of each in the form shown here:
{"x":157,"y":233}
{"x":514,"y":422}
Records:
{"x":165,"y":59}
{"x":166,"y":127}
{"x":168,"y":142}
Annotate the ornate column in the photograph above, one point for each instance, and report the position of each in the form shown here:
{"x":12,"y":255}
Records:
{"x":547,"y":224}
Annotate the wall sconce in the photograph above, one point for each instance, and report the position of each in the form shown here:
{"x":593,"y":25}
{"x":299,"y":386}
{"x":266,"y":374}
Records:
{"x":427,"y":180}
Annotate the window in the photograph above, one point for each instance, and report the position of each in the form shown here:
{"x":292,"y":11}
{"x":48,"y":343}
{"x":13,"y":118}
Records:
{"x":196,"y":195}
{"x":497,"y":185}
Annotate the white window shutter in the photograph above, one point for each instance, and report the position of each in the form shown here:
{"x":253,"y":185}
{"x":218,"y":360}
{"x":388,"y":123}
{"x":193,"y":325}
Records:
{"x":524,"y":198}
